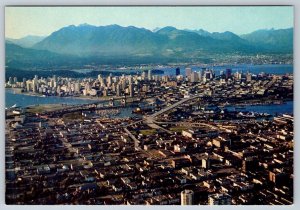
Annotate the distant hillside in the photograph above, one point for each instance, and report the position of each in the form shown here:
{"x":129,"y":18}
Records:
{"x":27,"y":41}
{"x":17,"y":56}
{"x":280,"y":41}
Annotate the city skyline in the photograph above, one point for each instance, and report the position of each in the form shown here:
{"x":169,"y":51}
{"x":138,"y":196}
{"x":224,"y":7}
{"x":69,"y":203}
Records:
{"x":42,"y":21}
{"x":121,"y":115}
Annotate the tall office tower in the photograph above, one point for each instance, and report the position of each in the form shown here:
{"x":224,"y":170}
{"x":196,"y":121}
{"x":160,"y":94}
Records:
{"x":188,"y":72}
{"x":222,"y":73}
{"x":208,"y":75}
{"x":101,"y":81}
{"x":58,"y":89}
{"x":194,"y":77}
{"x":118,"y":90}
{"x":199,"y":76}
{"x":187,"y":197}
{"x":177,"y":71}
{"x":51,"y":83}
{"x":109,"y":81}
{"x":34,"y":86}
{"x":123,"y":84}
{"x":165,"y":78}
{"x":203,"y":72}
{"x":104,"y":92}
{"x":219,"y":199}
{"x":24,"y":83}
{"x":149,"y":74}
{"x":131,"y":90}
{"x":54,"y":78}
{"x":248,"y":77}
{"x":28,"y":84}
{"x":88,"y":86}
{"x":15,"y":80}
{"x":99,"y":77}
{"x":69,"y":85}
{"x":77,"y":87}
{"x":116,"y":79}
{"x":156,"y":78}
{"x":238,"y":75}
{"x":113,"y":87}
{"x":143,"y":75}
{"x":228,"y":73}
{"x":10,"y":80}
{"x":129,"y":79}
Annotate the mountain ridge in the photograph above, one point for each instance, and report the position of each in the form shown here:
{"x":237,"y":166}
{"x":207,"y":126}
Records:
{"x":117,"y":44}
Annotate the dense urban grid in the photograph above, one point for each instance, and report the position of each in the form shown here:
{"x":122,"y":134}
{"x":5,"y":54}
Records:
{"x":184,"y":145}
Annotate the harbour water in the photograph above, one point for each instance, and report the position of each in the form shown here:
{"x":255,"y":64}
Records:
{"x":23,"y":100}
{"x":272,"y":109}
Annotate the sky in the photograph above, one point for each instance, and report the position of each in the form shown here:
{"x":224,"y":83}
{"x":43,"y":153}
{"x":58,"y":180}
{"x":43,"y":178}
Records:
{"x":42,"y":21}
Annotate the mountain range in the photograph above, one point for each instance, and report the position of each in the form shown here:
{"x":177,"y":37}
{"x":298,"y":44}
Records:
{"x":85,"y":44}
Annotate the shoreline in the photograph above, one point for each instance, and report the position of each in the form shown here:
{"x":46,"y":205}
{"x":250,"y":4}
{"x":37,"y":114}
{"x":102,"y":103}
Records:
{"x":70,"y":97}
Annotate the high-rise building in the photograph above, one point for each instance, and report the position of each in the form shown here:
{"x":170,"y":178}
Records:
{"x":10,"y":80}
{"x":188,"y":72}
{"x":109,"y":81}
{"x":34,"y":86}
{"x":51,"y":83}
{"x":238,"y":75}
{"x":143,"y":75}
{"x":203,"y":72}
{"x":194,"y":76}
{"x":15,"y":80}
{"x":165,"y":78}
{"x":177,"y":71}
{"x":28,"y":85}
{"x":123,"y":84}
{"x":129,"y":79}
{"x":200,"y":77}
{"x":248,"y":77}
{"x":77,"y":87}
{"x":54,"y":78}
{"x":149,"y":74}
{"x":187,"y":197}
{"x":208,"y":74}
{"x":228,"y":73}
{"x":118,"y":90}
{"x":24,"y":83}
{"x":219,"y":199}
{"x":131,"y":90}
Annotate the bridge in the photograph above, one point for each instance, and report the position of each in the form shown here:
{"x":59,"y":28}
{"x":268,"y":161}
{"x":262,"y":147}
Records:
{"x":174,"y":105}
{"x":150,"y":120}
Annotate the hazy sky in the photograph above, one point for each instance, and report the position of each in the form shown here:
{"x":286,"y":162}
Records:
{"x":22,"y":21}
